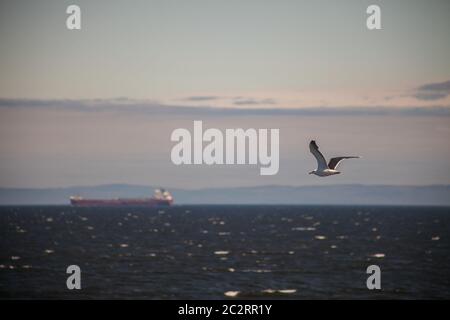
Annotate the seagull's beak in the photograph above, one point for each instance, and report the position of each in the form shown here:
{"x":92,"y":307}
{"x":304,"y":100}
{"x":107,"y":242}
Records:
{"x":311,"y":172}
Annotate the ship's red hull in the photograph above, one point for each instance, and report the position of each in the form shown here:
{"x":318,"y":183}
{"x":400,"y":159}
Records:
{"x":148,"y":202}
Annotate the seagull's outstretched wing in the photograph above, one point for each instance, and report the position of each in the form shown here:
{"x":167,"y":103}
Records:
{"x":321,"y":162}
{"x":334,"y":162}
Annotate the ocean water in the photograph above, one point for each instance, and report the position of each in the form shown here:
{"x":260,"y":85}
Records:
{"x":221,"y":252}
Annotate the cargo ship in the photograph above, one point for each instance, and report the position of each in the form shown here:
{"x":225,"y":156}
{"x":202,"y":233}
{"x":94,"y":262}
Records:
{"x":161,"y":197}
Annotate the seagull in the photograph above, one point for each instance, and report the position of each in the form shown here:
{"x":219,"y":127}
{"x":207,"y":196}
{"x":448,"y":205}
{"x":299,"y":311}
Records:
{"x":324,"y":169}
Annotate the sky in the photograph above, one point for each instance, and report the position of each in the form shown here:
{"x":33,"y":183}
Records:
{"x":97,"y":105}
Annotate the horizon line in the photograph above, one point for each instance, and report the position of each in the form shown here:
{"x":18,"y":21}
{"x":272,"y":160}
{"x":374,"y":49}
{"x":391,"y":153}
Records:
{"x":235,"y":187}
{"x":149,"y":106}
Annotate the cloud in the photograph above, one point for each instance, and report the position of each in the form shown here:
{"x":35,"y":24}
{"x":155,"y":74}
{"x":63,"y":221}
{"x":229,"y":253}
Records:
{"x":430,"y":96}
{"x":438,"y":86}
{"x":201,"y":98}
{"x":239,"y":101}
{"x":124,"y":104}
{"x":433,"y":91}
{"x":251,"y":101}
{"x":114,"y":104}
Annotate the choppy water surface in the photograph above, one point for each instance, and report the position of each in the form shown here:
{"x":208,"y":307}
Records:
{"x":216,"y":252}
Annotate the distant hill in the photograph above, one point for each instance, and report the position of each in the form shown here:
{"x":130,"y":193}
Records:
{"x":331,"y":194}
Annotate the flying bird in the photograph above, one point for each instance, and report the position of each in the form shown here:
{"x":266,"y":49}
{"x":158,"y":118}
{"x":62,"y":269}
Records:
{"x":324,"y":169}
